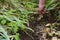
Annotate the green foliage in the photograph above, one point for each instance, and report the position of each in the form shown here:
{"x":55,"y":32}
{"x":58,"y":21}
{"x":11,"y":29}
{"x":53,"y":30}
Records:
{"x":4,"y":35}
{"x":51,"y":4}
{"x":14,"y":17}
{"x":3,"y":21}
{"x":17,"y":37}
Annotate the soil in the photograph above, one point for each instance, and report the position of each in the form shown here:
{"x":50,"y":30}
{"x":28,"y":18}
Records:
{"x":37,"y":35}
{"x":38,"y":26}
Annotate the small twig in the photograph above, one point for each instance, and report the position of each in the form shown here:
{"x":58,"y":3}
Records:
{"x":29,"y":35}
{"x":12,"y":36}
{"x":30,"y":29}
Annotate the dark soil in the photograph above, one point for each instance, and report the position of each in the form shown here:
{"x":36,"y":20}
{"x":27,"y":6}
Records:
{"x":38,"y":26}
{"x":37,"y":35}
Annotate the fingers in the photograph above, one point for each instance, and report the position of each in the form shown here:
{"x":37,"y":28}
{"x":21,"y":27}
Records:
{"x":41,"y":11}
{"x":44,"y":11}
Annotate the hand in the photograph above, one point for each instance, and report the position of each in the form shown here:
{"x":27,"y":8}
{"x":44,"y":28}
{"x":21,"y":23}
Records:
{"x":42,"y":9}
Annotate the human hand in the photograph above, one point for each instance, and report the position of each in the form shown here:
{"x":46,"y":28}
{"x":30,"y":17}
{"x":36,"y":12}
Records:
{"x":41,"y":9}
